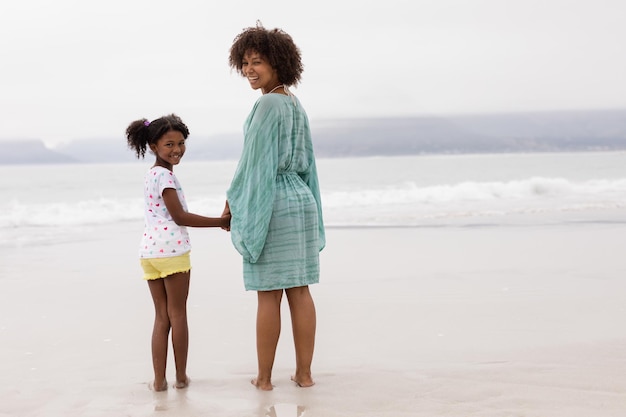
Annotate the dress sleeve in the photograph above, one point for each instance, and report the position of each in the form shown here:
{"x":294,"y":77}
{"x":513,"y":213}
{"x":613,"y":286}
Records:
{"x":252,"y":190}
{"x":310,"y":179}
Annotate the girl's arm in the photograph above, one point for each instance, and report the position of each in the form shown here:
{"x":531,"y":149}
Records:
{"x":183,"y":218}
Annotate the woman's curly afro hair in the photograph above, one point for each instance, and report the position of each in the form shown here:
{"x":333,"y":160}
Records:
{"x":275,"y":45}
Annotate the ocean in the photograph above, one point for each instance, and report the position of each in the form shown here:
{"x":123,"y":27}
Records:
{"x":44,"y":204}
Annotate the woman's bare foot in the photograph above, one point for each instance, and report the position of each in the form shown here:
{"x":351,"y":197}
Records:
{"x":182,"y":384}
{"x":159,"y":387}
{"x":303,"y":382}
{"x":263,"y":386}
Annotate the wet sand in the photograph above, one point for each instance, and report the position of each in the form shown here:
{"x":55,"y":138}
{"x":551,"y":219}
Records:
{"x":434,"y":321}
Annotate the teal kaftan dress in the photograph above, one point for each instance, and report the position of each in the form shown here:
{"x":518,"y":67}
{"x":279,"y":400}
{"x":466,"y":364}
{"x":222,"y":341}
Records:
{"x":274,"y":198}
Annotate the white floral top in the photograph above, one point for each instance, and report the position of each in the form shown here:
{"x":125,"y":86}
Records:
{"x":162,"y":237}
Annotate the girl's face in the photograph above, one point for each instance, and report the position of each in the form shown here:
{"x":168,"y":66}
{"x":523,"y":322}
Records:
{"x":259,"y":72}
{"x":169,"y":149}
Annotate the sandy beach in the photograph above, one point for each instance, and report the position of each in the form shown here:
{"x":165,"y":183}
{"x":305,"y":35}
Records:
{"x":426,"y":321}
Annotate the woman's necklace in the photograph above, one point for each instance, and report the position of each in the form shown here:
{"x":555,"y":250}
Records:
{"x":275,"y":88}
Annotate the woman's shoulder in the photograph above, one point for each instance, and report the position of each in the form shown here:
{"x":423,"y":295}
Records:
{"x":270,"y":99}
{"x":267,"y":104}
{"x":275,"y":102}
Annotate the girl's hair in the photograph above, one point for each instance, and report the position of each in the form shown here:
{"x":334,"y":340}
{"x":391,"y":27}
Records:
{"x":141,"y":133}
{"x":274,"y":45}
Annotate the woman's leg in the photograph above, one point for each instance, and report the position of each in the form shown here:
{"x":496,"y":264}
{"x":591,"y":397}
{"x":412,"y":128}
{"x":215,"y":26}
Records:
{"x":267,"y":334}
{"x":160,"y":333}
{"x":303,"y":321}
{"x":177,"y":289}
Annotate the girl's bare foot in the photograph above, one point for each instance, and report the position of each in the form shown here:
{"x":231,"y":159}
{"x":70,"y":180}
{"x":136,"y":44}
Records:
{"x":304,"y":382}
{"x":263,"y":386}
{"x":159,"y":387}
{"x":182,"y":384}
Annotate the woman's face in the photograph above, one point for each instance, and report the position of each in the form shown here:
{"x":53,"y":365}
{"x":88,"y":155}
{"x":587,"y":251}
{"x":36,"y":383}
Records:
{"x":259,"y":72}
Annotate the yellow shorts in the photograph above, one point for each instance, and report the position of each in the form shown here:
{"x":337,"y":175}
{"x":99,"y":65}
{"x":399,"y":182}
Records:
{"x":155,"y":268}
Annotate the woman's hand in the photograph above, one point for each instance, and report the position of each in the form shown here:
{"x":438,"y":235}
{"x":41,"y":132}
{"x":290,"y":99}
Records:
{"x":226,"y":216}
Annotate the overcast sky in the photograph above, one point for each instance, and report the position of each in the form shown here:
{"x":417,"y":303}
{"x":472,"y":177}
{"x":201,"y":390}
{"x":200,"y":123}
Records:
{"x":77,"y":69}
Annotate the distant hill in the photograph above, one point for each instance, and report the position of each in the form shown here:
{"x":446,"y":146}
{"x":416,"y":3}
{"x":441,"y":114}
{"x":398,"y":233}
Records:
{"x":30,"y":152}
{"x":520,"y":132}
{"x":495,"y":133}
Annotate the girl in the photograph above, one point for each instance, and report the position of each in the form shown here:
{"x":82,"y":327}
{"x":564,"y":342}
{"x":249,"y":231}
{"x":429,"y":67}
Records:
{"x":275,"y":201}
{"x":165,"y":246}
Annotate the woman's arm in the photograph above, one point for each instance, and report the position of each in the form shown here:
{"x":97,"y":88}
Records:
{"x":252,"y":189}
{"x":184,"y":218}
{"x":226,"y":212}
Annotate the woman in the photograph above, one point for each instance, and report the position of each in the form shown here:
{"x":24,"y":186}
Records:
{"x":274,"y":200}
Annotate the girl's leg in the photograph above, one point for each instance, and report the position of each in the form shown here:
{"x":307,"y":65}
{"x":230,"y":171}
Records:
{"x":267,"y":334}
{"x":160,"y":333}
{"x":303,"y":321}
{"x":177,"y":289}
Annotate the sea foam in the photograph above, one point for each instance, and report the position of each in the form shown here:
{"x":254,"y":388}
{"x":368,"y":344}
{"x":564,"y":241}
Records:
{"x":403,"y":203}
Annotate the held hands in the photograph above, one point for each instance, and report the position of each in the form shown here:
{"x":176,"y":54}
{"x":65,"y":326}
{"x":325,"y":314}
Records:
{"x":226,"y":216}
{"x":226,"y":222}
